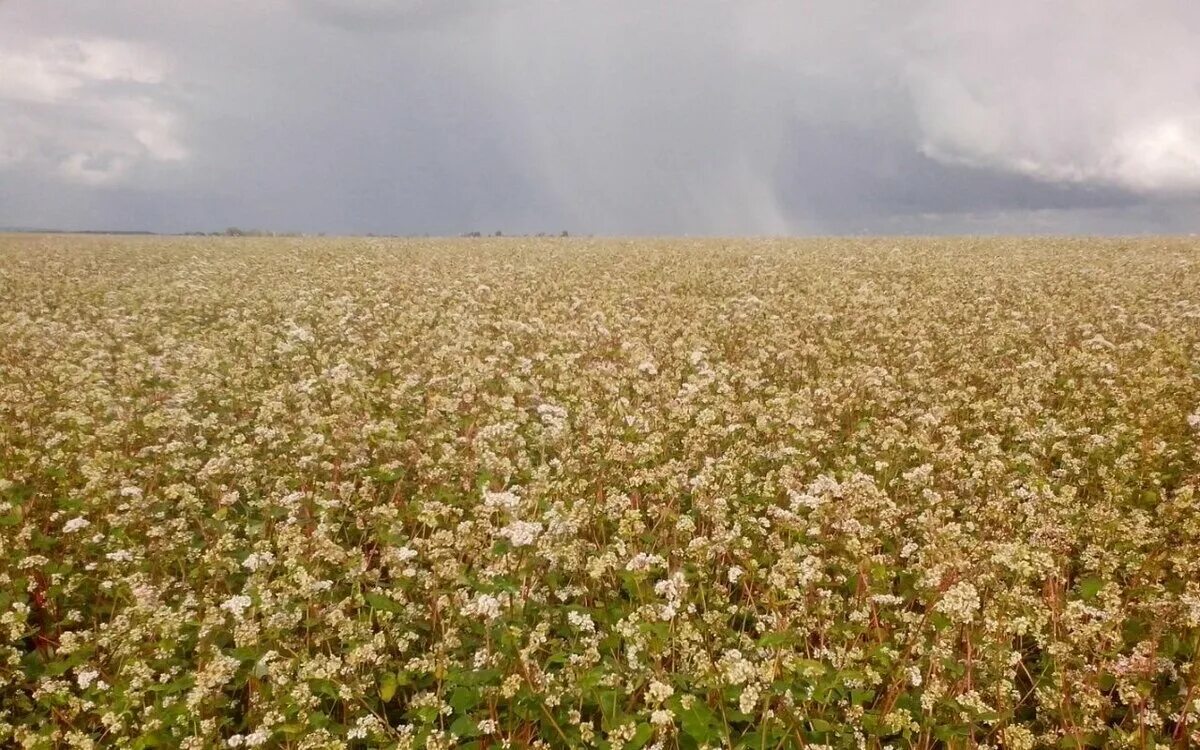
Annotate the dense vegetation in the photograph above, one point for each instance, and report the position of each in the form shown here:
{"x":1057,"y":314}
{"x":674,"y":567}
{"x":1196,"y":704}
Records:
{"x":618,"y":494}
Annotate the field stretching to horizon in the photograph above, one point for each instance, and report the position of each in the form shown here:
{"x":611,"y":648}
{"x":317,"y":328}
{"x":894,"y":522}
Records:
{"x":620,"y":494}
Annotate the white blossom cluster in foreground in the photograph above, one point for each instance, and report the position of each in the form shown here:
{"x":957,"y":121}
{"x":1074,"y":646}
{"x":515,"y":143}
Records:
{"x":519,"y":493}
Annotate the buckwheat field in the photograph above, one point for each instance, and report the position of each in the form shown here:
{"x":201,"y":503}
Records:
{"x":515,"y":493}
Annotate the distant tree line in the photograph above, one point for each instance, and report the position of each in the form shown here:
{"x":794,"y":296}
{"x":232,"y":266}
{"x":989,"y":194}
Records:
{"x":239,"y":232}
{"x":498,"y":233}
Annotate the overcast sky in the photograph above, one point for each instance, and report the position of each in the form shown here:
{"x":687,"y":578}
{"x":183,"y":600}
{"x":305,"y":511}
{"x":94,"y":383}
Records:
{"x":601,"y":116}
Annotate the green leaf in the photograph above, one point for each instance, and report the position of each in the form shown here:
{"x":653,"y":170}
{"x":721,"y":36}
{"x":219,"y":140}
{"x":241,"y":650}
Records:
{"x":383,"y":603}
{"x":872,"y":724}
{"x":777,"y":638}
{"x":950,"y":734}
{"x":148,"y":740}
{"x":861,"y":697}
{"x":699,"y":722}
{"x":758,"y":739}
{"x":56,"y":668}
{"x":463,"y":699}
{"x":324,"y":687}
{"x":465,"y":726}
{"x":176,"y":686}
{"x":245,"y":653}
{"x":809,"y":667}
{"x":387,"y":687}
{"x":1090,"y":587}
{"x":640,"y":737}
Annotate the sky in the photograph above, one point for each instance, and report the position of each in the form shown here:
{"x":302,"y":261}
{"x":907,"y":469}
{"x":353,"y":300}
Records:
{"x":629,"y":117}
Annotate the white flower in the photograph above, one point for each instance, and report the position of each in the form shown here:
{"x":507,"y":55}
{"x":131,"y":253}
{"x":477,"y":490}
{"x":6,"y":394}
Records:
{"x":960,"y":602}
{"x":85,"y":678}
{"x":1018,"y":737}
{"x":748,"y":700}
{"x":551,"y":412}
{"x":658,"y":692}
{"x":75,"y":524}
{"x":144,"y":594}
{"x":484,"y":605}
{"x":257,"y":560}
{"x":488,"y":726}
{"x":299,"y":333}
{"x":735,"y":574}
{"x":237,"y":605}
{"x":554,"y":417}
{"x":504,"y":500}
{"x":672,"y":589}
{"x":581,"y":621}
{"x":735,"y":668}
{"x":521,"y":533}
{"x":364,"y":727}
{"x":1191,"y":601}
{"x":643,"y":561}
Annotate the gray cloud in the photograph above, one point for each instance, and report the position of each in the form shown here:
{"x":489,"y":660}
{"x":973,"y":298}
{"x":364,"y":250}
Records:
{"x":388,"y":15}
{"x":89,"y":109}
{"x":1091,"y":93}
{"x":418,"y":116}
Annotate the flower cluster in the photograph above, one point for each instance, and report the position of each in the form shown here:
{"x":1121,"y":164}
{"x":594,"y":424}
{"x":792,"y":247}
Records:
{"x":312,"y":493}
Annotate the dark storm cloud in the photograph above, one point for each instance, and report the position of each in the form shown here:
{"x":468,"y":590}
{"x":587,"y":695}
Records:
{"x":415,"y":116}
{"x":888,"y":178}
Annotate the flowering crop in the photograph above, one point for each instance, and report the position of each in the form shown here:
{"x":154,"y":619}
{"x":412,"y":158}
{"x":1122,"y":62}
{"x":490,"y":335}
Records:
{"x":617,"y":494}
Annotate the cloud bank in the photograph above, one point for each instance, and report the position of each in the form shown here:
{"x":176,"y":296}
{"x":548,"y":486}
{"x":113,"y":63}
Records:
{"x":88,"y":110}
{"x":1081,"y":93}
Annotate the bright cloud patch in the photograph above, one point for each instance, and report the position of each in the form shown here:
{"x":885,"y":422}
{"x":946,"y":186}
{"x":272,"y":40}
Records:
{"x":88,"y":110}
{"x":1165,"y":154}
{"x":1104,"y":97}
